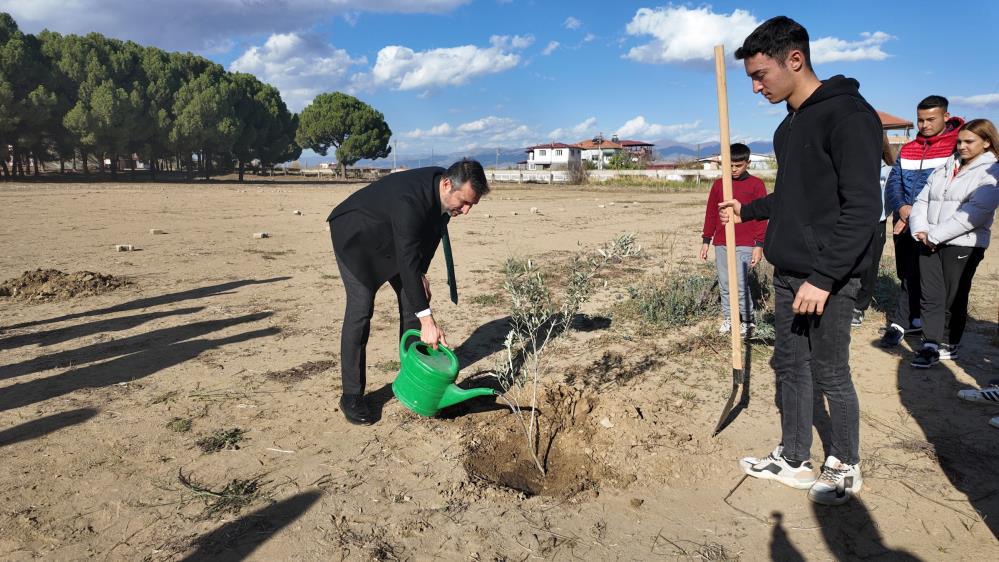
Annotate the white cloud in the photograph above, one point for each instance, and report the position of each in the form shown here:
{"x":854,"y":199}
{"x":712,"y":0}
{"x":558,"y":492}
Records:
{"x":638,"y":127}
{"x":831,"y":49}
{"x":577,"y":130}
{"x":196,"y":24}
{"x":681,"y":35}
{"x":299,"y":65}
{"x":589,"y":37}
{"x":550,"y":48}
{"x":684,"y":34}
{"x":511,"y":41}
{"x":572,"y":23}
{"x":489,"y":131}
{"x":405,"y":69}
{"x":980,"y":100}
{"x":442,"y":130}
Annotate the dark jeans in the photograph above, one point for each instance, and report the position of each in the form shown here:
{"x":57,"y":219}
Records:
{"x":357,"y":326}
{"x":812,"y":356}
{"x":869,"y":280}
{"x":907,"y":268}
{"x":946,"y":281}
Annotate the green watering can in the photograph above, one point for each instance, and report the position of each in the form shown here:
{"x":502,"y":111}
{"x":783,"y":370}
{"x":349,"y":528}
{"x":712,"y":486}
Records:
{"x":426,"y":378}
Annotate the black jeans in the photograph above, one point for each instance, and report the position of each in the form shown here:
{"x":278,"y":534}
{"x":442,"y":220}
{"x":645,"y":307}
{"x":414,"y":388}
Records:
{"x":907,"y":268}
{"x":869,"y":280}
{"x":357,"y":326}
{"x":946,"y":281}
{"x":812,"y":353}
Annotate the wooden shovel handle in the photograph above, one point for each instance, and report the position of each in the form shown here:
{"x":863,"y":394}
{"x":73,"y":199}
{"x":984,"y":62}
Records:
{"x":726,"y":170}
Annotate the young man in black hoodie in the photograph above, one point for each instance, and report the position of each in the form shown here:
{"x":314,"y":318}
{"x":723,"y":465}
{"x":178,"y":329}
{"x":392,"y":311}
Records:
{"x":823,"y":212}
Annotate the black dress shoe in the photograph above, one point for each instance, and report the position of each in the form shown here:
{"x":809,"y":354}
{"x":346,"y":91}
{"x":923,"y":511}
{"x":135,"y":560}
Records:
{"x":355,"y":410}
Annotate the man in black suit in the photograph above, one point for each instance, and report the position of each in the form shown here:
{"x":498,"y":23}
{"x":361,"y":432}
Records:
{"x":389,"y":231}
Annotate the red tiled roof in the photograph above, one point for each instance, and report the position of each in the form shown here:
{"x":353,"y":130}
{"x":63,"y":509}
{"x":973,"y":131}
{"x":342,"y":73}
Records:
{"x":889,"y":121}
{"x":551,"y":145}
{"x":589,"y":144}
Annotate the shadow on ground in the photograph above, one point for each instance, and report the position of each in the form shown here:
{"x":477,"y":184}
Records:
{"x":45,"y":425}
{"x":238,"y":539}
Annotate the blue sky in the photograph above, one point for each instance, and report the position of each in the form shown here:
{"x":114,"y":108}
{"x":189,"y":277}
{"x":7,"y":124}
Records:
{"x":464,"y":75}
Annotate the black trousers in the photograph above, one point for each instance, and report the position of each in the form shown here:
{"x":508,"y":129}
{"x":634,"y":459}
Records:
{"x":907,"y":268}
{"x":869,"y":280}
{"x":946,"y":276}
{"x":812,"y":359}
{"x":357,"y":326}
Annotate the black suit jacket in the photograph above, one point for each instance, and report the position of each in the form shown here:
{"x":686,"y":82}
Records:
{"x":391,"y":227}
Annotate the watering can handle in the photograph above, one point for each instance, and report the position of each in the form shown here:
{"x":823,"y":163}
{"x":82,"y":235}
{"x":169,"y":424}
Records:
{"x":403,"y":350}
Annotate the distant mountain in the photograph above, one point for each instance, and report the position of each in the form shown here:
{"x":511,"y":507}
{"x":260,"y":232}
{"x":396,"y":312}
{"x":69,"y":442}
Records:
{"x":509,"y":157}
{"x":673,"y":150}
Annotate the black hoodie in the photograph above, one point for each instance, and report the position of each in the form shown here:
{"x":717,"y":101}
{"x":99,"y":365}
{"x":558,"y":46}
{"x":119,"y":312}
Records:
{"x":827,"y":199}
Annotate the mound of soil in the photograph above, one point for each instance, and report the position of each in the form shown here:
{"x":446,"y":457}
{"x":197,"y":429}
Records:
{"x":52,"y":284}
{"x":500,"y":456}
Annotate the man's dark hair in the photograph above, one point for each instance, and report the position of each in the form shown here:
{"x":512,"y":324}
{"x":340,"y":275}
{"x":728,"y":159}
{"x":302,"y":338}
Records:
{"x":740,"y":152}
{"x":775,"y":38}
{"x":468,"y":171}
{"x":932,"y":102}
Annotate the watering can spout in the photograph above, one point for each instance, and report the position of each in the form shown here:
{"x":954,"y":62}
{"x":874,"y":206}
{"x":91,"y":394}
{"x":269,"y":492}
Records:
{"x":454,"y":394}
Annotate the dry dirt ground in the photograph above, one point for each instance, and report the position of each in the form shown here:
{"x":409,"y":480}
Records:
{"x":110,"y":401}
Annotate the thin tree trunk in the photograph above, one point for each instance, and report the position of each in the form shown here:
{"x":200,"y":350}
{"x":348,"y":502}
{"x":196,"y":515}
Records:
{"x":3,"y":166}
{"x":152,"y":164}
{"x":35,"y":158}
{"x":83,"y":159}
{"x":62,"y":166}
{"x":241,"y":170}
{"x":207,"y":163}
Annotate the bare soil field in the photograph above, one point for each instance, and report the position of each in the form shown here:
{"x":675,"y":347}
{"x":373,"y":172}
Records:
{"x":181,"y":401}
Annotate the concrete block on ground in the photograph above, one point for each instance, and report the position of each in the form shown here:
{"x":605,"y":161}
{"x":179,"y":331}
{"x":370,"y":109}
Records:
{"x":296,"y":212}
{"x":534,"y":210}
{"x":156,"y":231}
{"x":261,"y":235}
{"x":124,"y":247}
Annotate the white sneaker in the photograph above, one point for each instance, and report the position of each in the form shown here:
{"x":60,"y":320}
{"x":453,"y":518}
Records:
{"x":837,"y":483}
{"x":987,"y":395}
{"x":949,"y":352}
{"x":775,"y":467}
{"x":725,"y":327}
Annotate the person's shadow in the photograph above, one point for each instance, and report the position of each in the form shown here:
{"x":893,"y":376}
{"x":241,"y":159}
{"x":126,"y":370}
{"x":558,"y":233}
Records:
{"x":119,"y":324}
{"x":486,"y":340}
{"x":963,"y":443}
{"x":851,"y":534}
{"x":781,"y":548}
{"x":125,"y":368}
{"x":146,"y":302}
{"x":45,"y":425}
{"x":238,"y":539}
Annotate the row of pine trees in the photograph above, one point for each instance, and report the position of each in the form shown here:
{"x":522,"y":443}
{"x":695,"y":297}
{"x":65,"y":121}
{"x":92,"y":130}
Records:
{"x":71,"y":98}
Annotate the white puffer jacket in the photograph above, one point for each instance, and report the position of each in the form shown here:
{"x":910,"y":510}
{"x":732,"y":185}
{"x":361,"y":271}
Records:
{"x":958,"y":210}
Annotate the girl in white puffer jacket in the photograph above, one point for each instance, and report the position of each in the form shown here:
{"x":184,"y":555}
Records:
{"x":952,"y":218}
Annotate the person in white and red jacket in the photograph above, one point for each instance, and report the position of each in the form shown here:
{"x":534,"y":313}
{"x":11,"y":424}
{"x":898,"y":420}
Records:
{"x":951,"y":222}
{"x":916,"y":161}
{"x":748,"y":237}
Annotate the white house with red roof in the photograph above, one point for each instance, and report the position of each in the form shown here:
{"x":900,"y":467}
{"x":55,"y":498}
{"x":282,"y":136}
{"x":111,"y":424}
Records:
{"x":553,"y":156}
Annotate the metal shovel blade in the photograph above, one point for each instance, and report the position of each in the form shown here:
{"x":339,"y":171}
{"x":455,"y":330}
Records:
{"x":729,"y":413}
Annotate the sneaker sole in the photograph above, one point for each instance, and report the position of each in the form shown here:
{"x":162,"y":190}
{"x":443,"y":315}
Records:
{"x":921,"y":366}
{"x":747,"y":468}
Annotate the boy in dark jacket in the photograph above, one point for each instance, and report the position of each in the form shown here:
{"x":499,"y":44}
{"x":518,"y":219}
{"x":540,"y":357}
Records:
{"x":917,"y":159}
{"x":748,"y":237}
{"x":823,"y":211}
